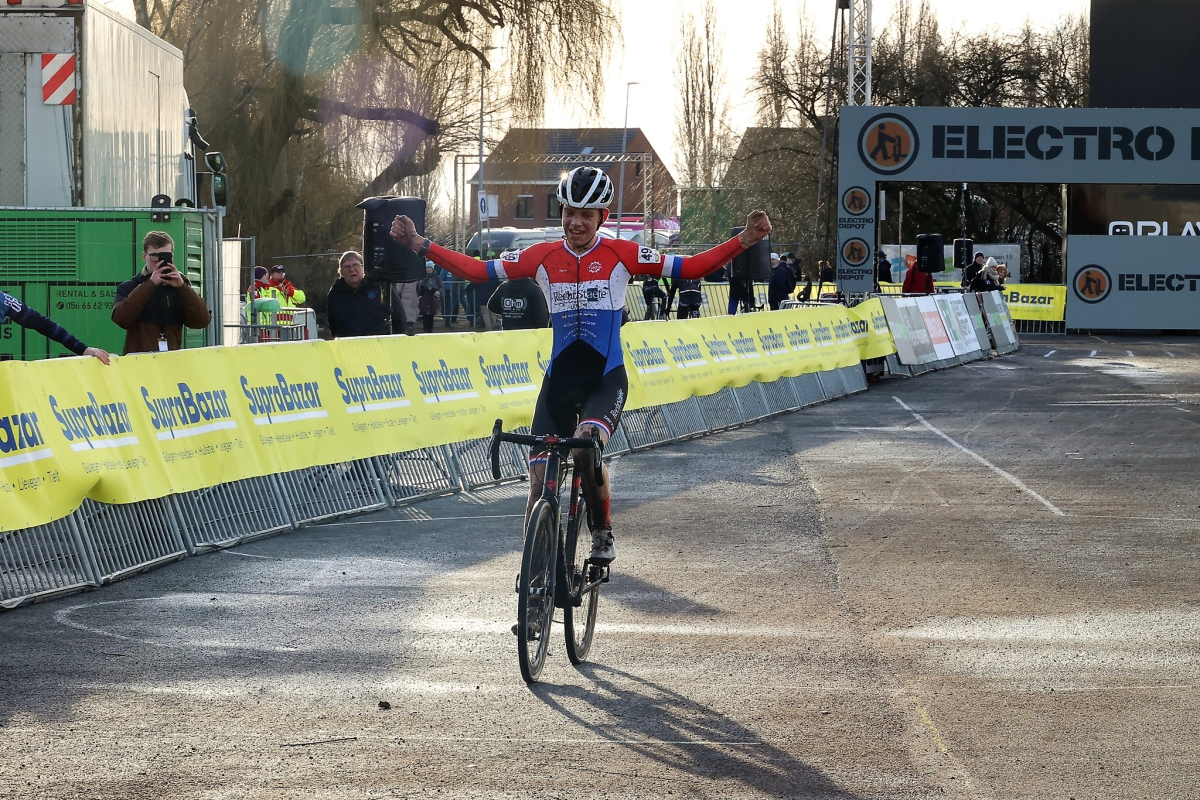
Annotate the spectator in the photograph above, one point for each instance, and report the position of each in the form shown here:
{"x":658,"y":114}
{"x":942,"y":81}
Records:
{"x":259,"y":285}
{"x":741,"y":292}
{"x":26,"y":317}
{"x":1002,"y":273}
{"x":404,"y":295}
{"x":154,"y":306}
{"x":651,"y":291}
{"x":972,"y":269}
{"x":918,"y":281}
{"x":987,"y":280}
{"x":429,"y":297}
{"x":520,"y":305}
{"x":783,"y":283}
{"x":883,"y":268}
{"x":483,"y":293}
{"x":451,"y":297}
{"x":279,"y":286}
{"x":827,"y":273}
{"x":357,"y":306}
{"x":691,"y":297}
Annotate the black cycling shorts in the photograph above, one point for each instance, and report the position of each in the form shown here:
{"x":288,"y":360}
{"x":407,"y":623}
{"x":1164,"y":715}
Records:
{"x":578,"y":392}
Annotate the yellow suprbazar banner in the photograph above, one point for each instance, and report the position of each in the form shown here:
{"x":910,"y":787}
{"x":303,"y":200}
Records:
{"x":668,"y":361}
{"x":156,"y":424}
{"x":872,"y":334}
{"x":1036,"y":301}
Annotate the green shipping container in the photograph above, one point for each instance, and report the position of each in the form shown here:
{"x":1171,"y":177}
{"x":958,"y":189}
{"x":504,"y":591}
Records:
{"x":67,"y":264}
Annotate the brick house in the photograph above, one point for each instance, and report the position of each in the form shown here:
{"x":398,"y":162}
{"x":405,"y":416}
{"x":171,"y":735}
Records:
{"x":526,"y":188}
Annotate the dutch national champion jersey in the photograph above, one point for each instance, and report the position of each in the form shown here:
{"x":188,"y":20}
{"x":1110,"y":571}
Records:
{"x":585,"y":293}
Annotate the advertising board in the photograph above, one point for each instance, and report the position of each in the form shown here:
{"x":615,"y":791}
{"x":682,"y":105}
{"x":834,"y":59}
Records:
{"x":1133,"y":283}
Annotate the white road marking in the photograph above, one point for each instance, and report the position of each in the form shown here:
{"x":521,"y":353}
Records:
{"x":1015,"y":481}
{"x":888,"y":429}
{"x":1093,"y":354}
{"x":1052,"y":352}
{"x":1142,"y":688}
{"x":1172,"y":355}
{"x":1139,"y":519}
{"x":1129,"y":353}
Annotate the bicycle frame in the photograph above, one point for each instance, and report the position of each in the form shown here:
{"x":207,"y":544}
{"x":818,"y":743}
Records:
{"x":558,"y":454}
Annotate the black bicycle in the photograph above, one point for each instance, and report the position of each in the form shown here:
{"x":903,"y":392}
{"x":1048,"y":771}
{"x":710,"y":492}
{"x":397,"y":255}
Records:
{"x":555,"y":569}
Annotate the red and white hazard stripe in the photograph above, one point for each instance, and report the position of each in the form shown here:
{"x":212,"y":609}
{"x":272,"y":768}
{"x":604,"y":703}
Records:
{"x":58,"y":79}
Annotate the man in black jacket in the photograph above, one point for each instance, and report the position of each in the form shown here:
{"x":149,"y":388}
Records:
{"x":520,"y":304}
{"x":357,"y":306}
{"x":783,"y":283}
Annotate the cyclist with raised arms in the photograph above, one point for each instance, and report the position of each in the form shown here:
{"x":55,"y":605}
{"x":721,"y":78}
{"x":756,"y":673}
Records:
{"x":584,"y":278}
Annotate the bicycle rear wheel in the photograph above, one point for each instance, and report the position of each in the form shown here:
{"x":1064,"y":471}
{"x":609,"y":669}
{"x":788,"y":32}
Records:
{"x":579,"y":622}
{"x":535,"y":603}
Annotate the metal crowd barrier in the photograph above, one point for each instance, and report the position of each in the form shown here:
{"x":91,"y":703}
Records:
{"x":99,"y":544}
{"x":1039,"y":326}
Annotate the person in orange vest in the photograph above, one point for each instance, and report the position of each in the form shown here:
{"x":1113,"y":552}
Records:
{"x":289,"y":296}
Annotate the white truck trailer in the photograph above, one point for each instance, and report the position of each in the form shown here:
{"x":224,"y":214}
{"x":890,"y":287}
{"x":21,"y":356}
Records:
{"x":93,"y":111}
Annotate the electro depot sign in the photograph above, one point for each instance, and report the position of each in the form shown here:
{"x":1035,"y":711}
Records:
{"x":1133,"y":282}
{"x":999,"y":145}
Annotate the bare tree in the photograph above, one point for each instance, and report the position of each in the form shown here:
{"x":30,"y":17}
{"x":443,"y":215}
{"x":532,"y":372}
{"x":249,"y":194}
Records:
{"x":704,"y":138}
{"x":316,"y":104}
{"x":916,"y":63}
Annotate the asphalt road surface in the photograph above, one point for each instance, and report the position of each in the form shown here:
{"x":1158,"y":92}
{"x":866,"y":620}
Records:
{"x":981,"y":583}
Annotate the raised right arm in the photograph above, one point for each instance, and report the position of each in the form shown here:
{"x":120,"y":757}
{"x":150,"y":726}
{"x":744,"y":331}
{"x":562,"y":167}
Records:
{"x":514,"y":265}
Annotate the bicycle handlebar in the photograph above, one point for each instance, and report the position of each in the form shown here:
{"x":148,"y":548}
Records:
{"x":593,"y":442}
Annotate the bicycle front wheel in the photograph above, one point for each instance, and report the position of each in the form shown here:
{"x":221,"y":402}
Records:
{"x":579,"y":621}
{"x":535,"y":603}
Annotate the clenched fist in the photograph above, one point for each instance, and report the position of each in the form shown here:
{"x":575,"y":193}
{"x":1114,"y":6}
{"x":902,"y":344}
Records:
{"x":757,"y":227}
{"x":405,"y":232}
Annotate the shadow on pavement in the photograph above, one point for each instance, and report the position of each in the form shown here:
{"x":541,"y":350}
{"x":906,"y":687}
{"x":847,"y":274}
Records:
{"x":684,"y":736}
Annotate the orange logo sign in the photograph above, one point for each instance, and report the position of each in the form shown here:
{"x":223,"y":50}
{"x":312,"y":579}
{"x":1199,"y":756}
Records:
{"x":856,"y":201}
{"x":888,"y":144}
{"x":855,"y":252}
{"x":1092,"y":283}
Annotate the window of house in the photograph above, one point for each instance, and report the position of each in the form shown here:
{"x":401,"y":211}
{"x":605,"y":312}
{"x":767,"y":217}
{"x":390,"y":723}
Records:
{"x":553,"y":207}
{"x":524,"y":207}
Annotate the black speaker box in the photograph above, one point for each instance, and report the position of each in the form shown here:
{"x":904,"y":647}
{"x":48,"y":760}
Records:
{"x":754,"y":262}
{"x":387,"y":260}
{"x":931,"y":252}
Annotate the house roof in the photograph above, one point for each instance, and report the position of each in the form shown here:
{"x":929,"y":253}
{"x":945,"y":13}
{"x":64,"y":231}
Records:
{"x":513,"y":159}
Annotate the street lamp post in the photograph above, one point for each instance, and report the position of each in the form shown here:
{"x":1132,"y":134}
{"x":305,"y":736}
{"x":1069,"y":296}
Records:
{"x":481,"y":198}
{"x":621,"y":185}
{"x":481,"y":203}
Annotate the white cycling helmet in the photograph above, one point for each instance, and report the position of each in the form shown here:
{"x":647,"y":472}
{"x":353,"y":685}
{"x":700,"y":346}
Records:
{"x":585,"y":187}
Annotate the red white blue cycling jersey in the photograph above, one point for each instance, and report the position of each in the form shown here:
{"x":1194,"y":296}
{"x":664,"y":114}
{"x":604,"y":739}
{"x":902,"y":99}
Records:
{"x":585,"y":293}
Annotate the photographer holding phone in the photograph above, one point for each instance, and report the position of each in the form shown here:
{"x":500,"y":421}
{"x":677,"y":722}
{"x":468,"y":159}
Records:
{"x":154,"y":306}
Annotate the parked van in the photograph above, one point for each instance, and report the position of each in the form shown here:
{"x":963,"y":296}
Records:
{"x":500,"y":240}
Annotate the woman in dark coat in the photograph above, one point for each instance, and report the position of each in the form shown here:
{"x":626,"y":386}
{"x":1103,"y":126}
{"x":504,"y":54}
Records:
{"x":429,"y":297}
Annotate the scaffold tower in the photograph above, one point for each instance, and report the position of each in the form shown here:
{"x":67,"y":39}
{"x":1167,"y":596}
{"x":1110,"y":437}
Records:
{"x":858,"y":90}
